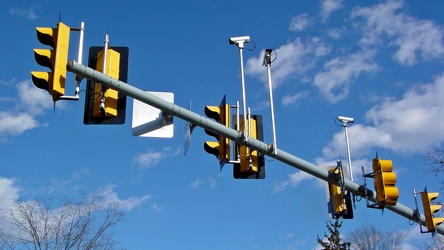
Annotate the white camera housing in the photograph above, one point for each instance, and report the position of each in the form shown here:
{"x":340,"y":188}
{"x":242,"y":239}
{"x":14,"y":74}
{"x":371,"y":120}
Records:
{"x":346,"y":119}
{"x":239,"y":39}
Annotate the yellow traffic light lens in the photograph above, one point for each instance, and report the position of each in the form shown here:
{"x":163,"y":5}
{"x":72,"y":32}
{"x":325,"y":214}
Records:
{"x":388,"y":178}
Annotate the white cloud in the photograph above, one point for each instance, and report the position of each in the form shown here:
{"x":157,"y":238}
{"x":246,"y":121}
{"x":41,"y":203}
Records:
{"x":293,"y":180}
{"x":211,"y":181}
{"x":9,"y":191}
{"x":67,"y":184}
{"x":280,"y":186}
{"x":412,"y":38}
{"x":381,"y":24}
{"x":156,"y":207}
{"x":30,"y":103}
{"x":410,"y":124}
{"x":334,"y":80}
{"x":295,"y":57}
{"x":290,"y":99}
{"x":110,"y":196}
{"x":361,"y":138}
{"x":328,"y":7}
{"x":298,"y":177}
{"x":34,"y":100}
{"x":152,"y":158}
{"x":299,"y":22}
{"x":407,"y":125}
{"x":15,"y":124}
{"x":28,"y":13}
{"x":195,"y":184}
{"x":336,"y":33}
{"x":414,"y":240}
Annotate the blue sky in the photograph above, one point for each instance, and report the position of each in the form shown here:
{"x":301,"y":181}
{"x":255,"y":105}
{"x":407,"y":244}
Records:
{"x":379,"y":62}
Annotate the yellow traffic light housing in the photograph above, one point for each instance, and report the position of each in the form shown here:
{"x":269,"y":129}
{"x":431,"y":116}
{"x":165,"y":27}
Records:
{"x":106,"y":105}
{"x":339,"y":200}
{"x":251,"y":163}
{"x":55,"y":60}
{"x":221,"y":147}
{"x":108,"y":97}
{"x":429,"y":210}
{"x":385,"y":180}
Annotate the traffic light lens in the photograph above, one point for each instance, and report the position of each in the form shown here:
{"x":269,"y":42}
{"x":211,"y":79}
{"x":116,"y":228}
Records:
{"x":389,"y":178}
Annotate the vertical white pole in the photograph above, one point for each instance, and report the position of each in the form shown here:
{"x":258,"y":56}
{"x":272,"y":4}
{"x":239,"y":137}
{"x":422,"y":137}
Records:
{"x":348,"y":152}
{"x":244,"y":100}
{"x":80,"y":56}
{"x":267,"y":62}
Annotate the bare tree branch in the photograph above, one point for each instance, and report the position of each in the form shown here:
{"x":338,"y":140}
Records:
{"x":369,"y":238}
{"x":36,"y":224}
{"x":435,"y":164}
{"x":435,"y":161}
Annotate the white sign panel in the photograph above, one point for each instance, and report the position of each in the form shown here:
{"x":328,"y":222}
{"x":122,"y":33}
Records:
{"x":152,"y":122}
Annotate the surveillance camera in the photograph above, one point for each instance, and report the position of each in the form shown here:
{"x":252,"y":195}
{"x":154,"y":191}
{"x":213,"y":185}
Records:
{"x":267,"y":57}
{"x":239,"y":39}
{"x":346,"y":119}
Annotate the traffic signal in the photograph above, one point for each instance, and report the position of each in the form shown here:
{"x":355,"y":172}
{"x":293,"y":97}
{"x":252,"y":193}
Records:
{"x":339,"y":202}
{"x":55,"y":59}
{"x":221,"y":147}
{"x":429,"y":209}
{"x":385,"y":180}
{"x":252,"y":162}
{"x":105,"y":105}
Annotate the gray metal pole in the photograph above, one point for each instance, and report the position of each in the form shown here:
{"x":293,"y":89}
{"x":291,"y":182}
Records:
{"x":236,"y":136}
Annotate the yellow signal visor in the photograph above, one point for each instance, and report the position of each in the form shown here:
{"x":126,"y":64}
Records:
{"x":44,"y":57}
{"x":41,"y":79}
{"x":46,"y":36}
{"x":213,"y":112}
{"x":214,"y":148}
